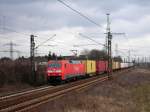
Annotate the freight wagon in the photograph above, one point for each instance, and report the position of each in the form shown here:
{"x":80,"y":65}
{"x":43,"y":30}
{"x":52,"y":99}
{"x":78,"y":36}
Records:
{"x":116,"y":65}
{"x":90,"y":67}
{"x":101,"y":66}
{"x":124,"y":65}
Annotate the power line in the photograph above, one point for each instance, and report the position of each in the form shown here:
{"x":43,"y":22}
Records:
{"x":92,"y":39}
{"x":129,"y":44}
{"x":50,"y":45}
{"x":78,"y":45}
{"x":12,"y":30}
{"x":81,"y":14}
{"x":45,"y":41}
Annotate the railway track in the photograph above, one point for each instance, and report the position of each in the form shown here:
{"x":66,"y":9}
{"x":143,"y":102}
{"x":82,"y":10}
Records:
{"x":29,"y":100}
{"x":26,"y":101}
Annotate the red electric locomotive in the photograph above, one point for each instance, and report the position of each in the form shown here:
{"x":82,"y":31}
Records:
{"x":64,"y":69}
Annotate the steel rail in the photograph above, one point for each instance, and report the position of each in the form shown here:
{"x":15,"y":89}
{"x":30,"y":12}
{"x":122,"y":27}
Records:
{"x":24,"y":105}
{"x":31,"y":99}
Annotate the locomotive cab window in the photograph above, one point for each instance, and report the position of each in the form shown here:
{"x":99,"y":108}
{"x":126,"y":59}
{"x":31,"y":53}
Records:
{"x":54,"y":65}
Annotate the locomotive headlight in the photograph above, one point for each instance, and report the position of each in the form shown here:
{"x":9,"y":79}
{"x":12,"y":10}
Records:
{"x":49,"y":71}
{"x":58,"y":70}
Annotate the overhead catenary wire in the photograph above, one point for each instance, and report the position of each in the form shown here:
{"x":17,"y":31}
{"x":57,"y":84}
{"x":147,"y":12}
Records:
{"x":78,"y":45}
{"x":92,"y":40}
{"x":81,"y":14}
{"x":45,"y":41}
{"x":129,"y":43}
{"x":12,"y":30}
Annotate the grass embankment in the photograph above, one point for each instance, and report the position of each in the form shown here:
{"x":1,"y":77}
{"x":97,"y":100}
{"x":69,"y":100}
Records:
{"x":127,"y":92}
{"x":141,"y":97}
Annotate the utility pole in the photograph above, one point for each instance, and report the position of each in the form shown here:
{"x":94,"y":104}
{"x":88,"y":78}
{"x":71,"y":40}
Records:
{"x":11,"y":50}
{"x":138,"y":60}
{"x":109,"y":38}
{"x":129,"y":57}
{"x":116,"y":50}
{"x":108,"y":46}
{"x":32,"y":60}
{"x":32,"y":56}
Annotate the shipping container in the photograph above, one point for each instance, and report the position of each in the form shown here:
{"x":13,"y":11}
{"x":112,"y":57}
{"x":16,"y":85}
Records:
{"x":126,"y":65}
{"x":113,"y":65}
{"x":116,"y":65}
{"x":101,"y":66}
{"x":90,"y":67}
{"x":123,"y":65}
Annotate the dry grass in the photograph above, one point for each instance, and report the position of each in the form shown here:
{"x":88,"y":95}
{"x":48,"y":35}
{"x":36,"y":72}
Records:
{"x":14,"y":72}
{"x":141,"y":97}
{"x":125,"y":93}
{"x":128,"y":92}
{"x":16,"y":75}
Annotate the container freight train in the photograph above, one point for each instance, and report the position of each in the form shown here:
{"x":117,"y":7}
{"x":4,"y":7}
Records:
{"x":63,"y":70}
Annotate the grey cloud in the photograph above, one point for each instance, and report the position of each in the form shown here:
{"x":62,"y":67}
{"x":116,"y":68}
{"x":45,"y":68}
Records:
{"x":40,"y":15}
{"x":127,"y":16}
{"x":36,"y":15}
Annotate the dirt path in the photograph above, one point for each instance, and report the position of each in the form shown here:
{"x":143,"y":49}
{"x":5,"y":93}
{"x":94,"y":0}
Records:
{"x":127,"y":92}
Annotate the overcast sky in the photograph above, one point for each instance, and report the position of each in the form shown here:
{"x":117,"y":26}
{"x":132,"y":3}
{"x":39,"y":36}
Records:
{"x":45,"y":18}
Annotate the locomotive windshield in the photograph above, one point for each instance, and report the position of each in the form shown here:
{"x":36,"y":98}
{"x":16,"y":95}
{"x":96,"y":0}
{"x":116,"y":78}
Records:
{"x":54,"y":65}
